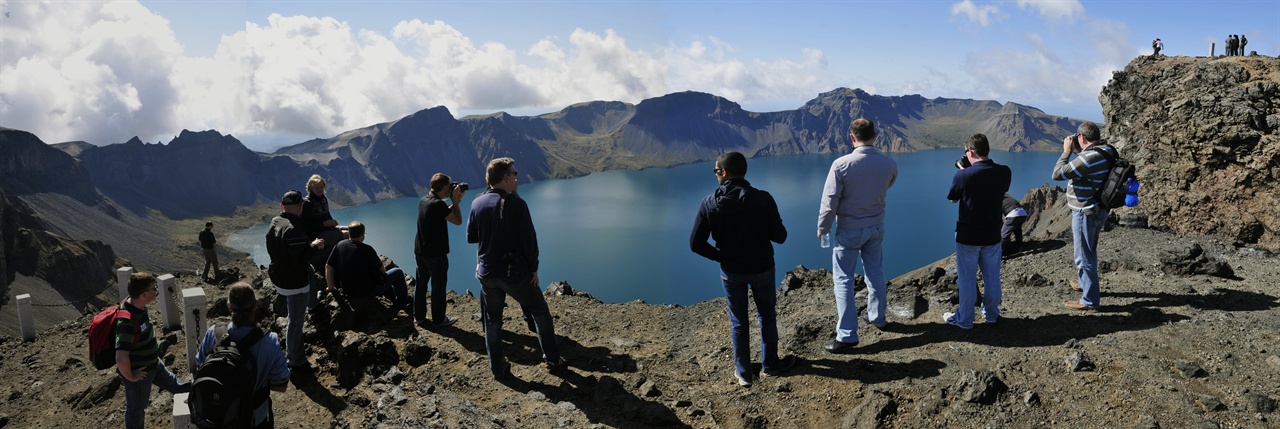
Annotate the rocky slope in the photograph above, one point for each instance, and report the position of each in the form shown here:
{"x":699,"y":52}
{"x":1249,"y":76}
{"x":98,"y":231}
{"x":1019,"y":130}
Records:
{"x":1205,"y":135}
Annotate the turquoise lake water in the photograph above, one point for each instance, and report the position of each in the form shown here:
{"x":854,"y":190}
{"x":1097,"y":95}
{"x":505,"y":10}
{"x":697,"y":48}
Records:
{"x":623,"y":235}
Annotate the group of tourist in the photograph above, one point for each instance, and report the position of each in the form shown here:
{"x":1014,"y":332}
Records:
{"x":744,"y":222}
{"x":1235,"y":45}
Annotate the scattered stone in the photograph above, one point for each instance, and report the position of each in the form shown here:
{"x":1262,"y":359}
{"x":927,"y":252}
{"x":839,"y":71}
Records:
{"x":1188,"y":369}
{"x":1035,"y":279}
{"x":874,"y":412}
{"x":649,"y":389}
{"x":536,"y":396}
{"x":1260,"y":403}
{"x":683,"y":403}
{"x":393,"y":376}
{"x":1209,"y":403}
{"x":1189,"y":259}
{"x":755,"y":422}
{"x":607,"y":389}
{"x":1031,"y":398}
{"x":1079,"y":361}
{"x":356,"y":398}
{"x":982,"y":387}
{"x":1274,"y":361}
{"x":394,"y":397}
{"x":695,"y":412}
{"x":560,"y":288}
{"x":417,"y":352}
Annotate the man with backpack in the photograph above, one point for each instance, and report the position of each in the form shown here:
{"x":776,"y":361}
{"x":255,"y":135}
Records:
{"x":1086,"y":174}
{"x":138,"y":353}
{"x":240,"y":360}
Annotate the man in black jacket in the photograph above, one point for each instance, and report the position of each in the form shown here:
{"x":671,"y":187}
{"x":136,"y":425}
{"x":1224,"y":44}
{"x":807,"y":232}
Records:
{"x":743,"y":221}
{"x":207,"y":240}
{"x":290,"y":256}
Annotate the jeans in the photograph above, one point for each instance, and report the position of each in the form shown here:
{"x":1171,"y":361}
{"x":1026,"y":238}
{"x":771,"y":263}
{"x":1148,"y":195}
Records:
{"x":852,"y":245}
{"x":295,"y":351}
{"x":762,"y":289}
{"x":493,"y":296}
{"x":969,"y":259}
{"x":436,"y":272}
{"x":1084,"y":236}
{"x":397,"y":289}
{"x":137,"y":394}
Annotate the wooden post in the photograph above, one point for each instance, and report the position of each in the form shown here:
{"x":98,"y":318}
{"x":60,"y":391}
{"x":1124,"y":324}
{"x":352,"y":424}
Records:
{"x":122,"y":280}
{"x":26,"y":320}
{"x":193,"y":305}
{"x":168,"y":309}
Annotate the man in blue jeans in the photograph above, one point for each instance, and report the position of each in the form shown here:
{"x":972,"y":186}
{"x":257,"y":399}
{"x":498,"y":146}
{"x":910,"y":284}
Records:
{"x":853,"y":198}
{"x":1085,"y":173}
{"x":980,"y":190}
{"x":355,"y":268}
{"x":431,"y":248}
{"x":743,"y":220}
{"x":138,"y":353}
{"x":507,"y":264}
{"x":290,"y":270}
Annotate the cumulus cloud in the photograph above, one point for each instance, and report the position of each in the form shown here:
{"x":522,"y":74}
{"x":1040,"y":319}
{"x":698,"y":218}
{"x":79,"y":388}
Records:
{"x":104,"y":72}
{"x":981,"y":15}
{"x":1054,"y":10}
{"x":1035,"y":72}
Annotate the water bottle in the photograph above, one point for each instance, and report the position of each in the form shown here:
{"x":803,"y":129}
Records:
{"x":1131,"y":193}
{"x":825,"y":241}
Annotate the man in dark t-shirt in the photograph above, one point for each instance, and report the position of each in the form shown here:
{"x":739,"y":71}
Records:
{"x":431,"y":247}
{"x":354,"y":268}
{"x":980,"y":190}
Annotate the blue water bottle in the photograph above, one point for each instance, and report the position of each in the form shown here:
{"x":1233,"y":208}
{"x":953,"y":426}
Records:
{"x":1131,"y":193}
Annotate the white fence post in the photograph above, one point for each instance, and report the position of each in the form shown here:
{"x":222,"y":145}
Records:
{"x":193,"y":305}
{"x":26,"y":320}
{"x":168,"y":309}
{"x":122,"y":280}
{"x":181,"y":413}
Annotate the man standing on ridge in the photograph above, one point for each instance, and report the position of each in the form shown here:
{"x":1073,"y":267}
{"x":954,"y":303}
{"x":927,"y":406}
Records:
{"x":138,"y":354}
{"x":207,"y":240}
{"x":289,"y":270}
{"x":980,"y":190}
{"x":270,"y":372}
{"x":1085,"y":173}
{"x":743,"y":220}
{"x":853,"y":197}
{"x":431,"y":248}
{"x":507,"y":264}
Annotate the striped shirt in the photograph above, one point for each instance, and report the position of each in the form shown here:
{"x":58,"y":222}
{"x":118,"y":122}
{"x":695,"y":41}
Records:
{"x":1085,"y":174}
{"x":143,"y":349}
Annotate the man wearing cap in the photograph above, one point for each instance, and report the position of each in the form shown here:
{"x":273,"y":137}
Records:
{"x":290,"y":253}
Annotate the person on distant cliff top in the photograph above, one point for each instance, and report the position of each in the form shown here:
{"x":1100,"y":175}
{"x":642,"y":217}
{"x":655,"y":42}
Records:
{"x":1085,"y":173}
{"x":138,"y":354}
{"x":980,"y":191}
{"x":269,"y":369}
{"x":431,"y":247}
{"x":1243,"y":41}
{"x":291,"y":251}
{"x":355,"y":268}
{"x":317,"y":221}
{"x":853,"y":198}
{"x":743,"y":221}
{"x":1232,"y":44}
{"x":1156,"y":47}
{"x":207,"y":240}
{"x":1014,"y":216}
{"x":507,"y":264}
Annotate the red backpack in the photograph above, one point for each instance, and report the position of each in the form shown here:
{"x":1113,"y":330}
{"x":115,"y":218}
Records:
{"x":102,"y":336}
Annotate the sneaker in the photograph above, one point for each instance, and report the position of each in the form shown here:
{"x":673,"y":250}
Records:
{"x":557,"y":365}
{"x":742,"y":381}
{"x":448,"y":321}
{"x":1076,"y":305}
{"x":784,"y":364}
{"x":839,"y":347}
{"x":950,"y":319}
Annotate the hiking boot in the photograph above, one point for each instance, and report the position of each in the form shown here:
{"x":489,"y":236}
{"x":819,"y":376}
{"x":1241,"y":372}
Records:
{"x":1075,"y":284}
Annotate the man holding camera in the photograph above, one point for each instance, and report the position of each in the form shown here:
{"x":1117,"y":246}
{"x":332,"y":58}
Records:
{"x":507,"y":264}
{"x":980,"y":190}
{"x":1086,"y":173}
{"x":431,"y":247}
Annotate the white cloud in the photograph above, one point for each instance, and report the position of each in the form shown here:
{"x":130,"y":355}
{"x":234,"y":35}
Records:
{"x":981,"y":15}
{"x":104,"y":72}
{"x":1054,"y":10}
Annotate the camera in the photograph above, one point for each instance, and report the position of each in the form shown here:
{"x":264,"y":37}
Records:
{"x":1075,"y":142}
{"x":963,"y":163}
{"x":460,"y":185}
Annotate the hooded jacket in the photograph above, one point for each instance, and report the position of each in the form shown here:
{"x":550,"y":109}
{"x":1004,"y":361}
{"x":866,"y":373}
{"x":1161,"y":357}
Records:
{"x":743,"y":221}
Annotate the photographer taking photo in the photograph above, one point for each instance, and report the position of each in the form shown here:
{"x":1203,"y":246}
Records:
{"x":431,"y":247}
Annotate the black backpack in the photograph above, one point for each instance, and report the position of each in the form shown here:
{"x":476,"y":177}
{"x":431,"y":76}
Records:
{"x":1111,"y":192}
{"x":222,"y":395}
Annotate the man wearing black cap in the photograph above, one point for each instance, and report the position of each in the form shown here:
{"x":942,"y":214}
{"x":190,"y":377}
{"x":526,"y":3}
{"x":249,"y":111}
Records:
{"x":290,"y":254}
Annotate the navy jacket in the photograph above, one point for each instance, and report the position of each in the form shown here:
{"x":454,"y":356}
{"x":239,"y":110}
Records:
{"x":980,"y":190}
{"x":500,"y":223}
{"x":743,"y":221}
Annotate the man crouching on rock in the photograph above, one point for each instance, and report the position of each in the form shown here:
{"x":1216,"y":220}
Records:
{"x":355,"y":268}
{"x":743,"y":220}
{"x":507,"y":264}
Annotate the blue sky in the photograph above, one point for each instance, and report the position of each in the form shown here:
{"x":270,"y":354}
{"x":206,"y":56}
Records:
{"x":274,"y":73}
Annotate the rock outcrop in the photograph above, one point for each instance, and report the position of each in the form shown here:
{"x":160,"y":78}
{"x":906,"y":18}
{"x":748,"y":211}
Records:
{"x":1205,"y":135}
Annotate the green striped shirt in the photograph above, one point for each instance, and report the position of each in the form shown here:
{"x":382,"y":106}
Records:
{"x":138,"y":336}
